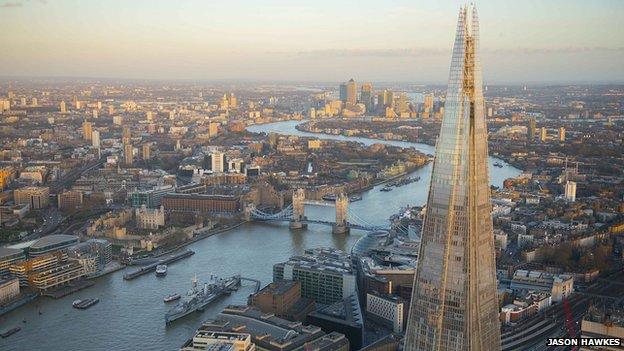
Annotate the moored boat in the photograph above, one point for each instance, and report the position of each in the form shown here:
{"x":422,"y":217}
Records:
{"x":172,"y":297}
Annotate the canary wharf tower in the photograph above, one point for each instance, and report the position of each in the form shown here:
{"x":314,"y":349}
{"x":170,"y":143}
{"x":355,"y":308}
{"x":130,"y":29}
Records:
{"x":454,"y":302}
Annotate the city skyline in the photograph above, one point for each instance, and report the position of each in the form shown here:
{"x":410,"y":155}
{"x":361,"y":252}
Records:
{"x":400,"y":41}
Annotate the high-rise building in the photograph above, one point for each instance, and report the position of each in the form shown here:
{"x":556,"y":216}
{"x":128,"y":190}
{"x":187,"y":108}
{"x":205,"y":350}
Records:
{"x":218,"y":162}
{"x":343,"y":92}
{"x":531,"y":129}
{"x":95,"y":113}
{"x":128,"y":154}
{"x":87,"y":130}
{"x":146,"y":151}
{"x":454,"y":303}
{"x":562,"y":133}
{"x":351,"y":92}
{"x":34,"y":102}
{"x":543,"y":134}
{"x":570,"y":191}
{"x":428,"y":103}
{"x":126,"y":135}
{"x":95,"y":139}
{"x":63,"y":107}
{"x":366,"y":96}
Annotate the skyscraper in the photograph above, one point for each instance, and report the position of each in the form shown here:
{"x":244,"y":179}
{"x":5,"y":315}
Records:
{"x":351,"y":92}
{"x":366,"y":96}
{"x":531,"y":129}
{"x":454,"y":299}
{"x":87,"y":130}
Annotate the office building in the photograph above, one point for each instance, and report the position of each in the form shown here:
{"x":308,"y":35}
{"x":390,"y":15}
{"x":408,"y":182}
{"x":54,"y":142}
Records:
{"x":543,"y":134}
{"x":99,"y":249}
{"x":326,"y":275}
{"x":9,"y":290}
{"x":9,"y":256}
{"x":366,"y":96}
{"x":217,"y":162}
{"x":531,"y":129}
{"x":95,"y":139}
{"x":562,"y":134}
{"x":570,"y":191}
{"x":51,"y":243}
{"x":559,"y":286}
{"x":219,"y":341}
{"x":344,"y":317}
{"x":63,"y":107}
{"x":70,"y":200}
{"x":271,"y":333}
{"x":146,"y":153}
{"x":150,"y":198}
{"x":283,"y":299}
{"x":37,"y":197}
{"x":387,"y":310}
{"x":128,"y":154}
{"x":454,"y":304}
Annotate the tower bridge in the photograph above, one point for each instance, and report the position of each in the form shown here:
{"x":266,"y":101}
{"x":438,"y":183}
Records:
{"x":294,"y":213}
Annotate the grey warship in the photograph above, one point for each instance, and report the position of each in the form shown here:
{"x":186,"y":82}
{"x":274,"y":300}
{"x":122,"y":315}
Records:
{"x":196,"y":299}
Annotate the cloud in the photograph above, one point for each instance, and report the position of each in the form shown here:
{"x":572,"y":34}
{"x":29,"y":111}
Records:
{"x":7,"y":5}
{"x":373,"y":52}
{"x":422,"y":52}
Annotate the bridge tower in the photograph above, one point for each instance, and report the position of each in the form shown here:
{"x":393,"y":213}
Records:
{"x":342,"y":208}
{"x":298,"y":205}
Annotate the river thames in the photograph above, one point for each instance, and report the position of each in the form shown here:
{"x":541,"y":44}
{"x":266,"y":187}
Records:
{"x":130,"y":315}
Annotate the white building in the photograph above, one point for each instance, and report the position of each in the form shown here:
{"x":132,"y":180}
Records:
{"x":95,"y":139}
{"x":388,"y":310}
{"x":559,"y":286}
{"x":218,"y":162}
{"x":570,"y":191}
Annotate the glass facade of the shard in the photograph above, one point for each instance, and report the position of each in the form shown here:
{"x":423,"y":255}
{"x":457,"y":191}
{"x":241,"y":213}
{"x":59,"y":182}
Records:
{"x":454,"y":302}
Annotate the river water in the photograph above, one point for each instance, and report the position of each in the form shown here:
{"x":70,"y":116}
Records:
{"x":130,"y":315}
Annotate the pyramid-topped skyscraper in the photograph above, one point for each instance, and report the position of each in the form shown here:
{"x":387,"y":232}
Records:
{"x":454,"y":300}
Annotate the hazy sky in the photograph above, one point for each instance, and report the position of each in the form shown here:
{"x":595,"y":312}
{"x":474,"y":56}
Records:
{"x":322,"y":40}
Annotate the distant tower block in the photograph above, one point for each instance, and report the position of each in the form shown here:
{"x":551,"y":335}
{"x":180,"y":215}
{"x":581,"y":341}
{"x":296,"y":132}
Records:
{"x":298,"y":199}
{"x":342,"y":208}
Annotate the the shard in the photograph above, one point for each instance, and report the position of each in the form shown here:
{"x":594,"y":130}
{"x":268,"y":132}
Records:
{"x":454,"y":302}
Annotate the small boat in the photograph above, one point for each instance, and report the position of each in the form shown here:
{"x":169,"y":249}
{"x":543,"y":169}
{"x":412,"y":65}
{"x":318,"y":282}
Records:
{"x":354,"y":198}
{"x":171,"y":297}
{"x":329,"y":197}
{"x":498,"y":164}
{"x":10,"y":332}
{"x":84,"y":304}
{"x":161,"y":270}
{"x":386,"y":188}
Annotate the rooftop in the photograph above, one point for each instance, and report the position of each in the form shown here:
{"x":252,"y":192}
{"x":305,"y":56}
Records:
{"x":6,"y":252}
{"x":53,"y":240}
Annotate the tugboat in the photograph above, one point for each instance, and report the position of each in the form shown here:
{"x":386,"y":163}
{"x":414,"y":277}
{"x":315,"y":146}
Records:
{"x":171,"y":297}
{"x":161,"y":270}
{"x":10,"y":332}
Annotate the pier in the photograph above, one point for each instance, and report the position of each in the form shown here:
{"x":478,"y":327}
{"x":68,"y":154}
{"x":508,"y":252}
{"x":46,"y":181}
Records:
{"x":152,"y":267}
{"x":256,"y":281}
